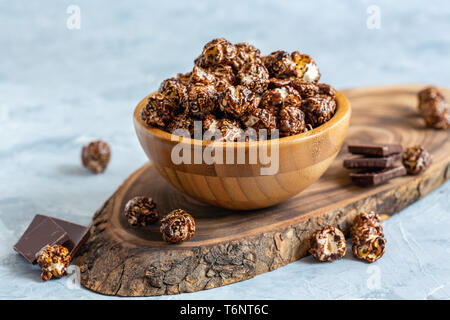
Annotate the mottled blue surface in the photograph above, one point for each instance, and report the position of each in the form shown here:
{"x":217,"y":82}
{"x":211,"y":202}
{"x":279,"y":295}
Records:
{"x":60,"y":87}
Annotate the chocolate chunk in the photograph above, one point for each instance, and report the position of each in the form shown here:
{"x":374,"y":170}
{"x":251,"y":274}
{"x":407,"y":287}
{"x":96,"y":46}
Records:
{"x":373,"y":178}
{"x":77,"y":234}
{"x":378,"y":150}
{"x":46,"y":232}
{"x":372,"y":163}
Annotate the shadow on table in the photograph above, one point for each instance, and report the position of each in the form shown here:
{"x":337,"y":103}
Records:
{"x":73,"y":170}
{"x":348,"y":256}
{"x":19,"y":267}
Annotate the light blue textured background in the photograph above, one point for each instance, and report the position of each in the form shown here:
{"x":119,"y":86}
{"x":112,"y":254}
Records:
{"x":60,"y":87}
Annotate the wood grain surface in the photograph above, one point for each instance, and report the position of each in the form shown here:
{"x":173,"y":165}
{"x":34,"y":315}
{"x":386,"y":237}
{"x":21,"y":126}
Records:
{"x":231,"y":246}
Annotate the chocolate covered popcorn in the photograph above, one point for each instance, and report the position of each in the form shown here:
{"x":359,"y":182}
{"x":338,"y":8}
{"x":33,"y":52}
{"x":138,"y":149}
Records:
{"x":235,"y":90}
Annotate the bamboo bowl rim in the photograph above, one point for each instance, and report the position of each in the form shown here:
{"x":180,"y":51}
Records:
{"x":343,"y":110}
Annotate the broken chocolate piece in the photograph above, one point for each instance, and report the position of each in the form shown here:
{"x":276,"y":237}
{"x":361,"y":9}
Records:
{"x":378,"y":150}
{"x":372,"y":163}
{"x":47,"y":232}
{"x":373,"y":178}
{"x":77,"y":234}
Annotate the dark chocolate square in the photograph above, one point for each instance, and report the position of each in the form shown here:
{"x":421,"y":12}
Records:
{"x":44,"y":232}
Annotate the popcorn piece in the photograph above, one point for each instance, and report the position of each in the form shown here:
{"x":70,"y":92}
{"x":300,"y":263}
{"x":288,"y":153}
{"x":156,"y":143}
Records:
{"x":53,"y":261}
{"x":434,"y":109}
{"x":276,"y":99}
{"x":181,"y":121}
{"x":438,"y":120}
{"x":428,"y":94}
{"x":221,"y":87}
{"x":260,"y":119}
{"x":238,"y":100}
{"x":201,"y":76}
{"x":366,"y":219}
{"x":173,"y":89}
{"x":177,"y":226}
{"x":95,"y":156}
{"x":367,"y":236}
{"x":141,"y":211}
{"x":368,"y":243}
{"x":279,"y":83}
{"x":224,"y":73}
{"x":280,"y":65}
{"x":200,"y":99}
{"x":327,"y":90}
{"x":217,"y":51}
{"x":306,"y":69}
{"x":318,"y":109}
{"x":292,"y":100}
{"x":306,"y":89}
{"x":416,"y":159}
{"x":370,"y":250}
{"x":292,"y":121}
{"x":210,"y":123}
{"x":328,"y":244}
{"x":246,"y":53}
{"x":158,"y":111}
{"x":283,"y":65}
{"x":273,"y":100}
{"x":230,"y":130}
{"x":254,"y":76}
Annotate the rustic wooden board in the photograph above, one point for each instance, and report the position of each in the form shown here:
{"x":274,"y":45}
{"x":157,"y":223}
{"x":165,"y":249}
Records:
{"x":233,"y":246}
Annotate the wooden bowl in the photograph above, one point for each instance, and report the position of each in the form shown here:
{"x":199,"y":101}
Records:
{"x":303,"y":158}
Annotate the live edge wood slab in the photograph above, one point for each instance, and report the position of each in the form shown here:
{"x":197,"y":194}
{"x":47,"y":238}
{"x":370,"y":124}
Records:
{"x":233,"y":246}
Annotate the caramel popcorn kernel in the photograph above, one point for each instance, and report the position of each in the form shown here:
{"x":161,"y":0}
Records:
{"x":230,"y":130}
{"x":306,"y":89}
{"x":416,"y":159}
{"x":434,"y":108}
{"x":328,"y":244}
{"x":292,"y":121}
{"x":202,"y":76}
{"x":173,"y":89}
{"x":254,"y":76}
{"x":370,"y":218}
{"x":210,"y":123}
{"x":280,"y":65}
{"x":158,"y":111}
{"x":246,"y":53}
{"x":368,"y":244}
{"x":224,"y":73}
{"x":141,"y":211}
{"x":260,"y":119}
{"x":276,"y":99}
{"x":95,"y":156}
{"x":217,"y":51}
{"x":53,"y":261}
{"x":306,"y":69}
{"x":327,"y":90}
{"x":181,"y":121}
{"x":367,"y":237}
{"x":318,"y":109}
{"x":200,"y":99}
{"x":238,"y":100}
{"x":177,"y":226}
